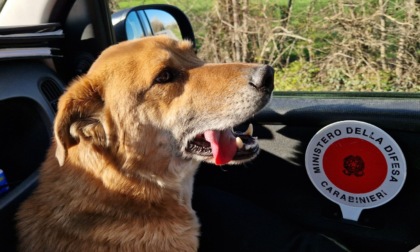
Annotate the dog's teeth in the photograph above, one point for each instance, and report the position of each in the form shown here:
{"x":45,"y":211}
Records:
{"x":239,"y":143}
{"x":250,"y":130}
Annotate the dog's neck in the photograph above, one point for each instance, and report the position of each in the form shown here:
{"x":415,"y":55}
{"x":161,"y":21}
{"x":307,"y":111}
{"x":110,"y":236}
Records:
{"x":185,"y":170}
{"x":142,"y":178}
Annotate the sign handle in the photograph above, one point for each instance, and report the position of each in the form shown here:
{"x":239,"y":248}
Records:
{"x":350,"y":213}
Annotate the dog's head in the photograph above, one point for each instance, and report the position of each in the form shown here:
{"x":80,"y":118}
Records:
{"x":152,"y":102}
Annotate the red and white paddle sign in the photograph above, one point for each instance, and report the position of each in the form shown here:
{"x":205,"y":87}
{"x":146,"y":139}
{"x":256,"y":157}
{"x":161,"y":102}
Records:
{"x":356,"y":165}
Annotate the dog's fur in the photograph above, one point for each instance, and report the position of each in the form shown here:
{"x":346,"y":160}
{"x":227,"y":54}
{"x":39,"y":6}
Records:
{"x":119,"y":173}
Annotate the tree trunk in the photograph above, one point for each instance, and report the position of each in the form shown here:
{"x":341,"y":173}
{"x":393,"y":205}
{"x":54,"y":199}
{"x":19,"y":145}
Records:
{"x":289,"y":12}
{"x":405,"y":33}
{"x":236,"y":42}
{"x":382,"y":11}
{"x":244,"y":40}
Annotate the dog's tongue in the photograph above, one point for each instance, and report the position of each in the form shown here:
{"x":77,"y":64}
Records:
{"x":223,"y":145}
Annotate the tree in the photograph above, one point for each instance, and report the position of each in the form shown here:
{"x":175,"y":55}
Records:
{"x":358,"y":45}
{"x":113,"y":5}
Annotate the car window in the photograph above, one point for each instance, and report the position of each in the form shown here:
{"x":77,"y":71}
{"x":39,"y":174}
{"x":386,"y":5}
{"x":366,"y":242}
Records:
{"x":162,"y":22}
{"x":315,"y":45}
{"x":133,"y":26}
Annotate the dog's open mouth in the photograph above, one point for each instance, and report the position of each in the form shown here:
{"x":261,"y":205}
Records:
{"x":225,"y":145}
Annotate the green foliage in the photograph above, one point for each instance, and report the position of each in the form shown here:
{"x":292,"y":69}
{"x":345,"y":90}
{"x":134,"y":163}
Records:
{"x":329,"y":28}
{"x":131,"y":3}
{"x":297,"y":76}
{"x":304,"y":76}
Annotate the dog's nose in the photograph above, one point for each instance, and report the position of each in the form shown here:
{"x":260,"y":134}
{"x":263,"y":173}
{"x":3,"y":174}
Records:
{"x":263,"y":78}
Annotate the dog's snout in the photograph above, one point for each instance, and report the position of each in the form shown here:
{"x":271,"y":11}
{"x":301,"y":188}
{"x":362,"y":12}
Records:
{"x":263,"y":78}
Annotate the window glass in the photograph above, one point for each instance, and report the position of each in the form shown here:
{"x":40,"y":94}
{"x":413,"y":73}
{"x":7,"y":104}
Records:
{"x":314,"y":45}
{"x":133,"y":26}
{"x":145,"y":23}
{"x":317,"y":45}
{"x":162,"y":22}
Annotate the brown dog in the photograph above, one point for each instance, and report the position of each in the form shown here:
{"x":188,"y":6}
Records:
{"x":128,"y":138}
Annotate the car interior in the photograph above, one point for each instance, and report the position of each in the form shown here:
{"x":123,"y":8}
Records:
{"x":276,"y":181}
{"x":31,"y":85}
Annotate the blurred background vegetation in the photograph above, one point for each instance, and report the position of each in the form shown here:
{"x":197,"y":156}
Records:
{"x":314,"y":45}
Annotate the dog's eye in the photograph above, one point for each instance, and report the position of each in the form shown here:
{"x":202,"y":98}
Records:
{"x":165,"y":76}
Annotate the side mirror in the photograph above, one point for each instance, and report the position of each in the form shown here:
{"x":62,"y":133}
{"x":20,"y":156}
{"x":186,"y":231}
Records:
{"x":149,"y":20}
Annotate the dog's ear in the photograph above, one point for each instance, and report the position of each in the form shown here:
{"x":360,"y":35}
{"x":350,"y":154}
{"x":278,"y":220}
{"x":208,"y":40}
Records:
{"x":79,"y":117}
